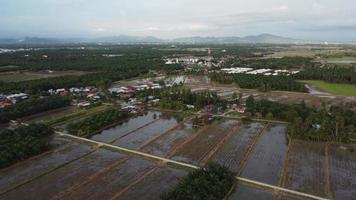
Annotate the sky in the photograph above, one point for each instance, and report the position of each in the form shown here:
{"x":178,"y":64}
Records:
{"x":322,"y":20}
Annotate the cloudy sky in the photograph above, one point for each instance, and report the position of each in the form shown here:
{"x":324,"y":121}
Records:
{"x":303,"y":19}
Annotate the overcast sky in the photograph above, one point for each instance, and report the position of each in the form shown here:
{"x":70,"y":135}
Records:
{"x":302,"y":19}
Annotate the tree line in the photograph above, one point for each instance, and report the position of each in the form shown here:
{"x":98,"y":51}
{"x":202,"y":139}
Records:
{"x":324,"y":124}
{"x":210,"y":183}
{"x":90,"y":125}
{"x":23,"y":142}
{"x":32,"y":106}
{"x":259,"y":81}
{"x":329,"y":73}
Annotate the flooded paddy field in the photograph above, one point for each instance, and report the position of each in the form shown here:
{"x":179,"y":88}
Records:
{"x":63,"y":178}
{"x":163,"y":145}
{"x":266,"y":162}
{"x":242,"y":191}
{"x":233,"y":151}
{"x":126,"y":127}
{"x":306,"y":169}
{"x":112,"y":181}
{"x":154,"y":185}
{"x":342,"y":170}
{"x":207,"y":138}
{"x":138,"y":138}
{"x":27,"y":170}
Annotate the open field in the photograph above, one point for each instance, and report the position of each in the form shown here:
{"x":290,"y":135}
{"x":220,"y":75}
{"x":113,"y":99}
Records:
{"x":334,"y":88}
{"x":17,"y":76}
{"x":75,"y":170}
{"x":342,"y":168}
{"x":306,"y":170}
{"x":266,"y":162}
{"x":234,"y":150}
{"x":342,"y":60}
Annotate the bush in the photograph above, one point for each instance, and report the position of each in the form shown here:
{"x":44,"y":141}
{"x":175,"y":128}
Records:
{"x":210,"y":183}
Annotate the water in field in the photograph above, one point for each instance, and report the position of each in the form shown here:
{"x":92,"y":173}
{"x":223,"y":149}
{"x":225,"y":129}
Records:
{"x":246,"y":192}
{"x":154,"y":185}
{"x":29,"y":169}
{"x":138,"y":138}
{"x":126,"y":127}
{"x":342,"y":169}
{"x":233,"y":151}
{"x":64,"y":178}
{"x":266,"y":162}
{"x":113,"y":180}
{"x":165,"y":144}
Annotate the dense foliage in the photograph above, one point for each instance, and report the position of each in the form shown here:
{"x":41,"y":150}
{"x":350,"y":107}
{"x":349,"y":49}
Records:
{"x":32,"y":106}
{"x":210,"y":183}
{"x":23,"y":142}
{"x":261,"y":82}
{"x":275,"y":63}
{"x":91,"y":124}
{"x":330,"y":74}
{"x":333,"y":124}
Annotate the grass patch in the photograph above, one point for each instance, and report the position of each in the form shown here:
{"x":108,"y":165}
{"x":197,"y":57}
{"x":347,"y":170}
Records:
{"x":334,"y":88}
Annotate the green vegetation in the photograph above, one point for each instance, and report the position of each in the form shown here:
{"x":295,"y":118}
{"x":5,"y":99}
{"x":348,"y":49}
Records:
{"x":274,"y":63}
{"x":18,"y":76}
{"x":333,"y":124}
{"x":177,"y":98}
{"x":210,"y":183}
{"x":23,"y":142}
{"x":32,"y":106}
{"x":92,"y":124}
{"x":334,"y":88}
{"x":261,"y":82}
{"x":329,"y":74}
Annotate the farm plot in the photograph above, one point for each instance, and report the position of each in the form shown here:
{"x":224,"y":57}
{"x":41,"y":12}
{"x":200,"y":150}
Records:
{"x":235,"y":149}
{"x":126,"y":127}
{"x":139,"y":137}
{"x":305,"y":170}
{"x":246,"y":192}
{"x":154,"y":185}
{"x":57,"y":182}
{"x":266,"y":161}
{"x":165,"y":144}
{"x":342,"y":169}
{"x":29,"y":169}
{"x":112,"y":181}
{"x":196,"y":149}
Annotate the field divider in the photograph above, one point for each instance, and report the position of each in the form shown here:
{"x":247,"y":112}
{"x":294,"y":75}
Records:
{"x":251,"y":148}
{"x":90,"y":178}
{"x":166,"y":160}
{"x":282,"y":178}
{"x":327,"y":172}
{"x":209,"y":154}
{"x":163,"y":134}
{"x":47,"y":172}
{"x":132,"y":184}
{"x":128,"y":133}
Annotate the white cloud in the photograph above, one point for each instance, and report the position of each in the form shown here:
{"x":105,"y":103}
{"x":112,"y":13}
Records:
{"x":152,"y":28}
{"x":100,"y":29}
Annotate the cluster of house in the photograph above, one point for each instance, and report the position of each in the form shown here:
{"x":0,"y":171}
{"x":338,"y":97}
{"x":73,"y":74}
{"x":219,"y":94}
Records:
{"x":9,"y":100}
{"x":266,"y":72}
{"x":129,"y":90}
{"x":189,"y":60}
{"x":89,"y":92}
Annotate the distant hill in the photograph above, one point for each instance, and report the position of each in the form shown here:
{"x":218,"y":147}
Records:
{"x":126,"y":39}
{"x":262,"y":38}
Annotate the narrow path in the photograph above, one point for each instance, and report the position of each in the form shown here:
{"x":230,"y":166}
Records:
{"x":169,"y":161}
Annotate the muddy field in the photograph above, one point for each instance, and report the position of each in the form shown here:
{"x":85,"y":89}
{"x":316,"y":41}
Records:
{"x":165,"y":144}
{"x":236,"y":148}
{"x":342,"y":169}
{"x":306,"y":169}
{"x":266,"y":162}
{"x":196,"y":149}
{"x":254,"y":150}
